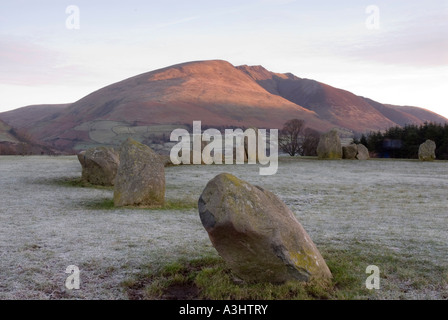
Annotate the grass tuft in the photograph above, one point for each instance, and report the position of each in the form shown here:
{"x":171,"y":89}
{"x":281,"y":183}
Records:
{"x":209,"y":278}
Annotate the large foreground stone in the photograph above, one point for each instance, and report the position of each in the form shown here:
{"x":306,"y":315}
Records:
{"x":256,"y":234}
{"x":140,"y":178}
{"x":99,"y":165}
{"x":329,"y":146}
{"x":427,"y":151}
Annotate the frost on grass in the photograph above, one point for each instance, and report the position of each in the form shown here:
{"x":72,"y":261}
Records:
{"x":369,"y":206}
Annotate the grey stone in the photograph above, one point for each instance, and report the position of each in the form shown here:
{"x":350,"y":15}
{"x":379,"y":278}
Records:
{"x":257,"y":234}
{"x":329,"y":146}
{"x":140,"y":178}
{"x":363,"y":152}
{"x":99,"y":165}
{"x":350,"y":152}
{"x":81,"y":158}
{"x":427,"y":151}
{"x":166,"y":160}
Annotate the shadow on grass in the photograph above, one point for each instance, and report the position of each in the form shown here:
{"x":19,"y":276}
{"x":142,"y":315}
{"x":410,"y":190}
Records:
{"x":108,"y":203}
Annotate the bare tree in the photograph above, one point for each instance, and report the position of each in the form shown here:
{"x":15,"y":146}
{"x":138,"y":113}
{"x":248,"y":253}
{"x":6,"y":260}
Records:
{"x":310,"y":142}
{"x":290,"y":138}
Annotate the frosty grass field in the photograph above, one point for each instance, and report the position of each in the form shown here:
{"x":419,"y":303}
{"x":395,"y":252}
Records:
{"x":373,"y":207}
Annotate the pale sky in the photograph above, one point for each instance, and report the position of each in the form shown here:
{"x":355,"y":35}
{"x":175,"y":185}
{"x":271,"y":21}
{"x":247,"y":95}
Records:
{"x":396,"y":52}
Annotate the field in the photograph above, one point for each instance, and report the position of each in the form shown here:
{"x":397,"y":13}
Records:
{"x":388,"y":213}
{"x":113,"y":133}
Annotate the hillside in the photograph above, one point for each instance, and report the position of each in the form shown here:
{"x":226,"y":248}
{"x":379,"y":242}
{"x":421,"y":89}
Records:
{"x":150,"y":105}
{"x":5,"y":133}
{"x":14,"y":141}
{"x":340,"y":107}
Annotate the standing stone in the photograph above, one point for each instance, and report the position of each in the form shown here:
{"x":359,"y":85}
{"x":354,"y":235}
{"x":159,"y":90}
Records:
{"x":350,"y":152}
{"x":81,"y":158}
{"x":355,"y":151}
{"x":427,"y":151}
{"x":329,"y":146}
{"x":140,"y":178}
{"x":166,"y":160}
{"x":253,"y":153}
{"x":203,"y":145}
{"x":99,"y":165}
{"x":363,"y":152}
{"x":257,"y":235}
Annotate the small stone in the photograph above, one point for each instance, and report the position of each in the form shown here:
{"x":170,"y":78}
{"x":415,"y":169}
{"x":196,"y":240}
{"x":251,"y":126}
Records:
{"x":363,"y":152}
{"x":427,"y":151}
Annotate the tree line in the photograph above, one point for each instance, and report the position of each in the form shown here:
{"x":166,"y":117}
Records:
{"x":396,"y":142}
{"x":297,"y":139}
{"x":403,"y":142}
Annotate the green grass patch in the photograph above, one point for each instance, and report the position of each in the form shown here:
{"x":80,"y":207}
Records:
{"x":209,"y":278}
{"x":78,"y":183}
{"x":170,"y":204}
{"x":180,"y":204}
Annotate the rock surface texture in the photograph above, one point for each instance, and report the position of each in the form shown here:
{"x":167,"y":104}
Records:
{"x":329,"y":146}
{"x":363,"y":152}
{"x":257,"y":235}
{"x":350,"y":152}
{"x":427,"y":151}
{"x":99,"y":165}
{"x":140,"y":178}
{"x":355,"y":152}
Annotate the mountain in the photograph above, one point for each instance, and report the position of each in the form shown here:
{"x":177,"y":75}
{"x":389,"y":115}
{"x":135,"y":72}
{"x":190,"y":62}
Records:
{"x":340,"y":107}
{"x":421,"y":114}
{"x":150,"y":105}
